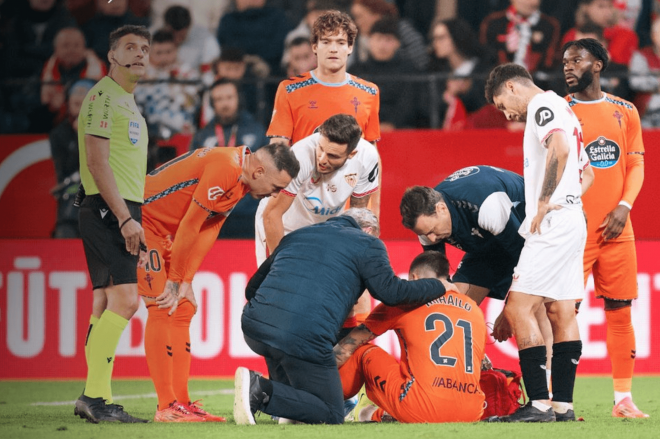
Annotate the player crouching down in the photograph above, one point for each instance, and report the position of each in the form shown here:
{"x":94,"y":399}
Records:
{"x":442,"y":347}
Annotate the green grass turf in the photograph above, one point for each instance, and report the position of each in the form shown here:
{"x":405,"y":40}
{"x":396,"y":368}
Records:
{"x":20,"y":418}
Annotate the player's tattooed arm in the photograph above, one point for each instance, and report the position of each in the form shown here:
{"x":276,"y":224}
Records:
{"x":170,"y":296}
{"x":555,"y":164}
{"x":349,"y":344}
{"x":550,"y":179}
{"x":361,"y":202}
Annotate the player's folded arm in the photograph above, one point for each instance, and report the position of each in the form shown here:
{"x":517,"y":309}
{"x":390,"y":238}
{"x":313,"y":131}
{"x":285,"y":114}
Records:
{"x":384,"y":285}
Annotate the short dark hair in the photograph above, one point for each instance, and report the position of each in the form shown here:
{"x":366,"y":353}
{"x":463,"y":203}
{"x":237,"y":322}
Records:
{"x":342,"y":129}
{"x":232,"y":54}
{"x":589,"y":27}
{"x":334,"y":22}
{"x":463,"y":37}
{"x":283,"y":158}
{"x":178,"y":17}
{"x":503,"y":73}
{"x":593,"y":46}
{"x":225,"y":81}
{"x":431,"y":260}
{"x":387,"y":26}
{"x":129,"y":29}
{"x":163,"y":36}
{"x":299,"y":41}
{"x":418,"y":201}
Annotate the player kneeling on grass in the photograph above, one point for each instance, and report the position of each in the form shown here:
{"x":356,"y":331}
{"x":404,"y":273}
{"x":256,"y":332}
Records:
{"x":297,"y":301}
{"x":186,"y":203}
{"x":442,"y":346}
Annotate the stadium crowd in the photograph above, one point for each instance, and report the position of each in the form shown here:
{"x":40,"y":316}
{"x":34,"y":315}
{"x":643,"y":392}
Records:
{"x":46,"y":45}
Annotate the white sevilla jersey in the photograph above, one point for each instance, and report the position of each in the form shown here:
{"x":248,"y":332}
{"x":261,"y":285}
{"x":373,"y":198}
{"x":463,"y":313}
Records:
{"x":549,"y":114}
{"x":322,"y":196}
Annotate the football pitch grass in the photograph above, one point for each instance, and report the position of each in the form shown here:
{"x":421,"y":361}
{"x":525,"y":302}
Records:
{"x":44,"y":410}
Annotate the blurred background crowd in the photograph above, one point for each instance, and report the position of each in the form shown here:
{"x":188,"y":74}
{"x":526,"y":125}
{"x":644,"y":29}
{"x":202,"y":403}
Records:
{"x":218,"y":62}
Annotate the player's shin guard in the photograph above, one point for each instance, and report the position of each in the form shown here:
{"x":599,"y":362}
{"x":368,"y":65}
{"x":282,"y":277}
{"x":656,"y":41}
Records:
{"x":565,"y":359}
{"x":532,"y":365}
{"x":102,"y":344}
{"x":181,"y":348}
{"x":158,"y":350}
{"x":621,"y":347}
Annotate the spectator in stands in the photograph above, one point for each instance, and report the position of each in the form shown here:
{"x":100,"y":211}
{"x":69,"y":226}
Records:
{"x":27,"y":39}
{"x":109,"y":16}
{"x":64,"y":150}
{"x":167,"y":105}
{"x":197,"y":48}
{"x":315,"y":8}
{"x":387,"y":67}
{"x":645,"y":79}
{"x":523,"y":35}
{"x":457,"y":51}
{"x":70,"y":62}
{"x":235,"y":65}
{"x":256,"y":29}
{"x":621,"y":41}
{"x":299,"y":57}
{"x":367,"y":12}
{"x":205,"y":13}
{"x":232,"y":126}
{"x":420,"y":13}
{"x":81,"y":10}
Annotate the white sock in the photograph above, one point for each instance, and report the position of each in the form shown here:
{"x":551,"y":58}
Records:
{"x":562,"y":407}
{"x":620,"y":396}
{"x":366,"y":413}
{"x":548,"y":379}
{"x":541,"y":406}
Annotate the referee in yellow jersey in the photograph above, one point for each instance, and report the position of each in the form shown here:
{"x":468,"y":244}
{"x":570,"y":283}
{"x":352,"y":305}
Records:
{"x":112,"y":135}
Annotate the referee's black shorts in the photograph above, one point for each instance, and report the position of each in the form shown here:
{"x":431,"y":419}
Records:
{"x":105,"y":247}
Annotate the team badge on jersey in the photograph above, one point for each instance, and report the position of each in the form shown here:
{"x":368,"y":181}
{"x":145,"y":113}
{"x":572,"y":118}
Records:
{"x":351,"y":179}
{"x":543,"y":116}
{"x":215,"y":192}
{"x":603,"y":153}
{"x":462,"y":173}
{"x":134,"y":131}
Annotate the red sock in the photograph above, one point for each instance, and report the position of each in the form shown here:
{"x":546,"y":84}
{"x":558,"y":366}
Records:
{"x":181,"y":348}
{"x":621,"y":347}
{"x":158,"y":349}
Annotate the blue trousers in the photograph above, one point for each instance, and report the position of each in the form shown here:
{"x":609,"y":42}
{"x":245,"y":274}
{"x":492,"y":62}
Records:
{"x":302,"y":391}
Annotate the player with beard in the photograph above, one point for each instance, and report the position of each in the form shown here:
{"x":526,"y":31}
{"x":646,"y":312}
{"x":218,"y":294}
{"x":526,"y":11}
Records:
{"x":336,"y":165}
{"x":231,"y":125}
{"x":613,"y":138}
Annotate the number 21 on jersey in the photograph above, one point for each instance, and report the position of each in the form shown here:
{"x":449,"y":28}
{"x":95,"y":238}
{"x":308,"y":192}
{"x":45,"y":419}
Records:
{"x":432,"y":323}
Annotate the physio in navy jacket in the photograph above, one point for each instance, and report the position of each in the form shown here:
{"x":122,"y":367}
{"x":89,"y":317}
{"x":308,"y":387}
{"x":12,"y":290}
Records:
{"x":479,"y":210}
{"x":297,"y":303}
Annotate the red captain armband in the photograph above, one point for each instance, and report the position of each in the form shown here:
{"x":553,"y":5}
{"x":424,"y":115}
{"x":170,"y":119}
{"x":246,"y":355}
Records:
{"x":350,"y":322}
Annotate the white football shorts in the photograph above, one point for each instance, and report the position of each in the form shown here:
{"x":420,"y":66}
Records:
{"x":551,"y":263}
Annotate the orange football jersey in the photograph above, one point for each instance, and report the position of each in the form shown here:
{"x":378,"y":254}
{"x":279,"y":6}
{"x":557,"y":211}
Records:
{"x":613,"y":141}
{"x":442,"y":345}
{"x":304,"y":102}
{"x":190,"y":194}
